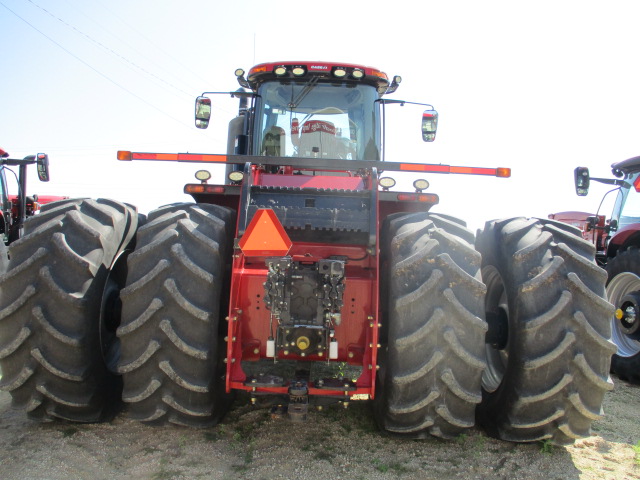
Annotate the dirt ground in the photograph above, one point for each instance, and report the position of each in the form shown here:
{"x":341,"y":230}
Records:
{"x":333,"y":444}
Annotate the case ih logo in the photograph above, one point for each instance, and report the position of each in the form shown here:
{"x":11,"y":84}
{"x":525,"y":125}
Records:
{"x":315,"y":125}
{"x":318,"y":67}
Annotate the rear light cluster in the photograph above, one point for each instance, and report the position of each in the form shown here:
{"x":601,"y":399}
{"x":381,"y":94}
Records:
{"x":203,"y":188}
{"x":418,"y":197}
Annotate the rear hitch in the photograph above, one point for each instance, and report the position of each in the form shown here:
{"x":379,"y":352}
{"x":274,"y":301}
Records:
{"x":298,"y":401}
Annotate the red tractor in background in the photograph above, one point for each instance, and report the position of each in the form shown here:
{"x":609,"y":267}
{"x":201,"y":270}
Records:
{"x":305,"y":259}
{"x":15,"y":209}
{"x":617,"y":244}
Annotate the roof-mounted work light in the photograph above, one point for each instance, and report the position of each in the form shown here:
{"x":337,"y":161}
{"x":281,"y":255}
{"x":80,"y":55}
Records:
{"x":298,"y":71}
{"x":397,"y":80}
{"x":339,"y":72}
{"x":239,"y":73}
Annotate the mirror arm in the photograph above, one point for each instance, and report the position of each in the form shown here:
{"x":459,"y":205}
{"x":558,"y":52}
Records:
{"x":609,"y":181}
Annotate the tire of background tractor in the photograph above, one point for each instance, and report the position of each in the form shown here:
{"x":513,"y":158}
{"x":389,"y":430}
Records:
{"x":431,"y":360}
{"x":50,"y":309}
{"x":548,"y":348}
{"x":623,"y":272}
{"x":4,"y":257}
{"x":171,"y":359}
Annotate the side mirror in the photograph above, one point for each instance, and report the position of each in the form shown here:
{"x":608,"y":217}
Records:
{"x":42,"y":165}
{"x":429,"y":125}
{"x":581,"y":176}
{"x":203,"y":112}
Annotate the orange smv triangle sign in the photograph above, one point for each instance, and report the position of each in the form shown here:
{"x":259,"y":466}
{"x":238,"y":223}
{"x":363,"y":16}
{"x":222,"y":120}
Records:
{"x":265,"y":236}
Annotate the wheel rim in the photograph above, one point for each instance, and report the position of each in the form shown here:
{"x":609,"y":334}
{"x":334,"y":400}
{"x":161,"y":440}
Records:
{"x":617,"y":289}
{"x":110,"y":313}
{"x":497,"y":309}
{"x":109,"y":322}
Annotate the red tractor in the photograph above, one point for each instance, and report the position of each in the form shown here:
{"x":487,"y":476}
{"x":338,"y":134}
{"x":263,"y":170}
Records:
{"x":617,"y":244}
{"x":15,"y":209}
{"x":305,"y":259}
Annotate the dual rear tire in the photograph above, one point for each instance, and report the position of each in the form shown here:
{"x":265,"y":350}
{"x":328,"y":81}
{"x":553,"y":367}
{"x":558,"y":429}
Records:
{"x":53,"y":337}
{"x":513,"y":334}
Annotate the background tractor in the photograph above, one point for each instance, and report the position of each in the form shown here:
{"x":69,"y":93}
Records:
{"x":305,"y":258}
{"x":14,"y":209}
{"x":617,"y":244}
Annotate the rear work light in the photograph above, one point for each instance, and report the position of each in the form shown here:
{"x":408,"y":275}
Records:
{"x":420,"y":185}
{"x":236,"y":176}
{"x":203,"y":175}
{"x":386,"y":182}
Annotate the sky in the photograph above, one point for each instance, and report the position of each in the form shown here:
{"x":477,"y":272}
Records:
{"x":539,"y":87}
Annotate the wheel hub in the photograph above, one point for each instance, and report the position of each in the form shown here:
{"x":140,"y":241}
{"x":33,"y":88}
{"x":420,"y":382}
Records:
{"x":498,"y":332}
{"x":628,"y":315}
{"x":623,"y":291}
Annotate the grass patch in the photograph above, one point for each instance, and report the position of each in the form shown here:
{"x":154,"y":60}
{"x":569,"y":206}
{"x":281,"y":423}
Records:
{"x":324,"y":455}
{"x":636,"y":449}
{"x":163,"y":473}
{"x":380,"y":465}
{"x":546,"y":447}
{"x":69,"y":432}
{"x":395,"y":467}
{"x":358,"y":416}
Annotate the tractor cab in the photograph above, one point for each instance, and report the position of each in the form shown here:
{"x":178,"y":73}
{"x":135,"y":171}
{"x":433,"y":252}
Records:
{"x":623,"y":228}
{"x":312,"y":110}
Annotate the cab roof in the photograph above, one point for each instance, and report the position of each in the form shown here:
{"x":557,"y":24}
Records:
{"x":630,"y":165}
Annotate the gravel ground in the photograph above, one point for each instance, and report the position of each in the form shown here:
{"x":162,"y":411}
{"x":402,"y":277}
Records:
{"x":332,"y":444}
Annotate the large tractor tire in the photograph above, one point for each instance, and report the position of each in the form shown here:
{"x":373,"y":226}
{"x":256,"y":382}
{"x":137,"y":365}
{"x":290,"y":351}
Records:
{"x":53,"y":330}
{"x":623,"y":290}
{"x":171,"y":359}
{"x":432,"y":354}
{"x":548,"y":347}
